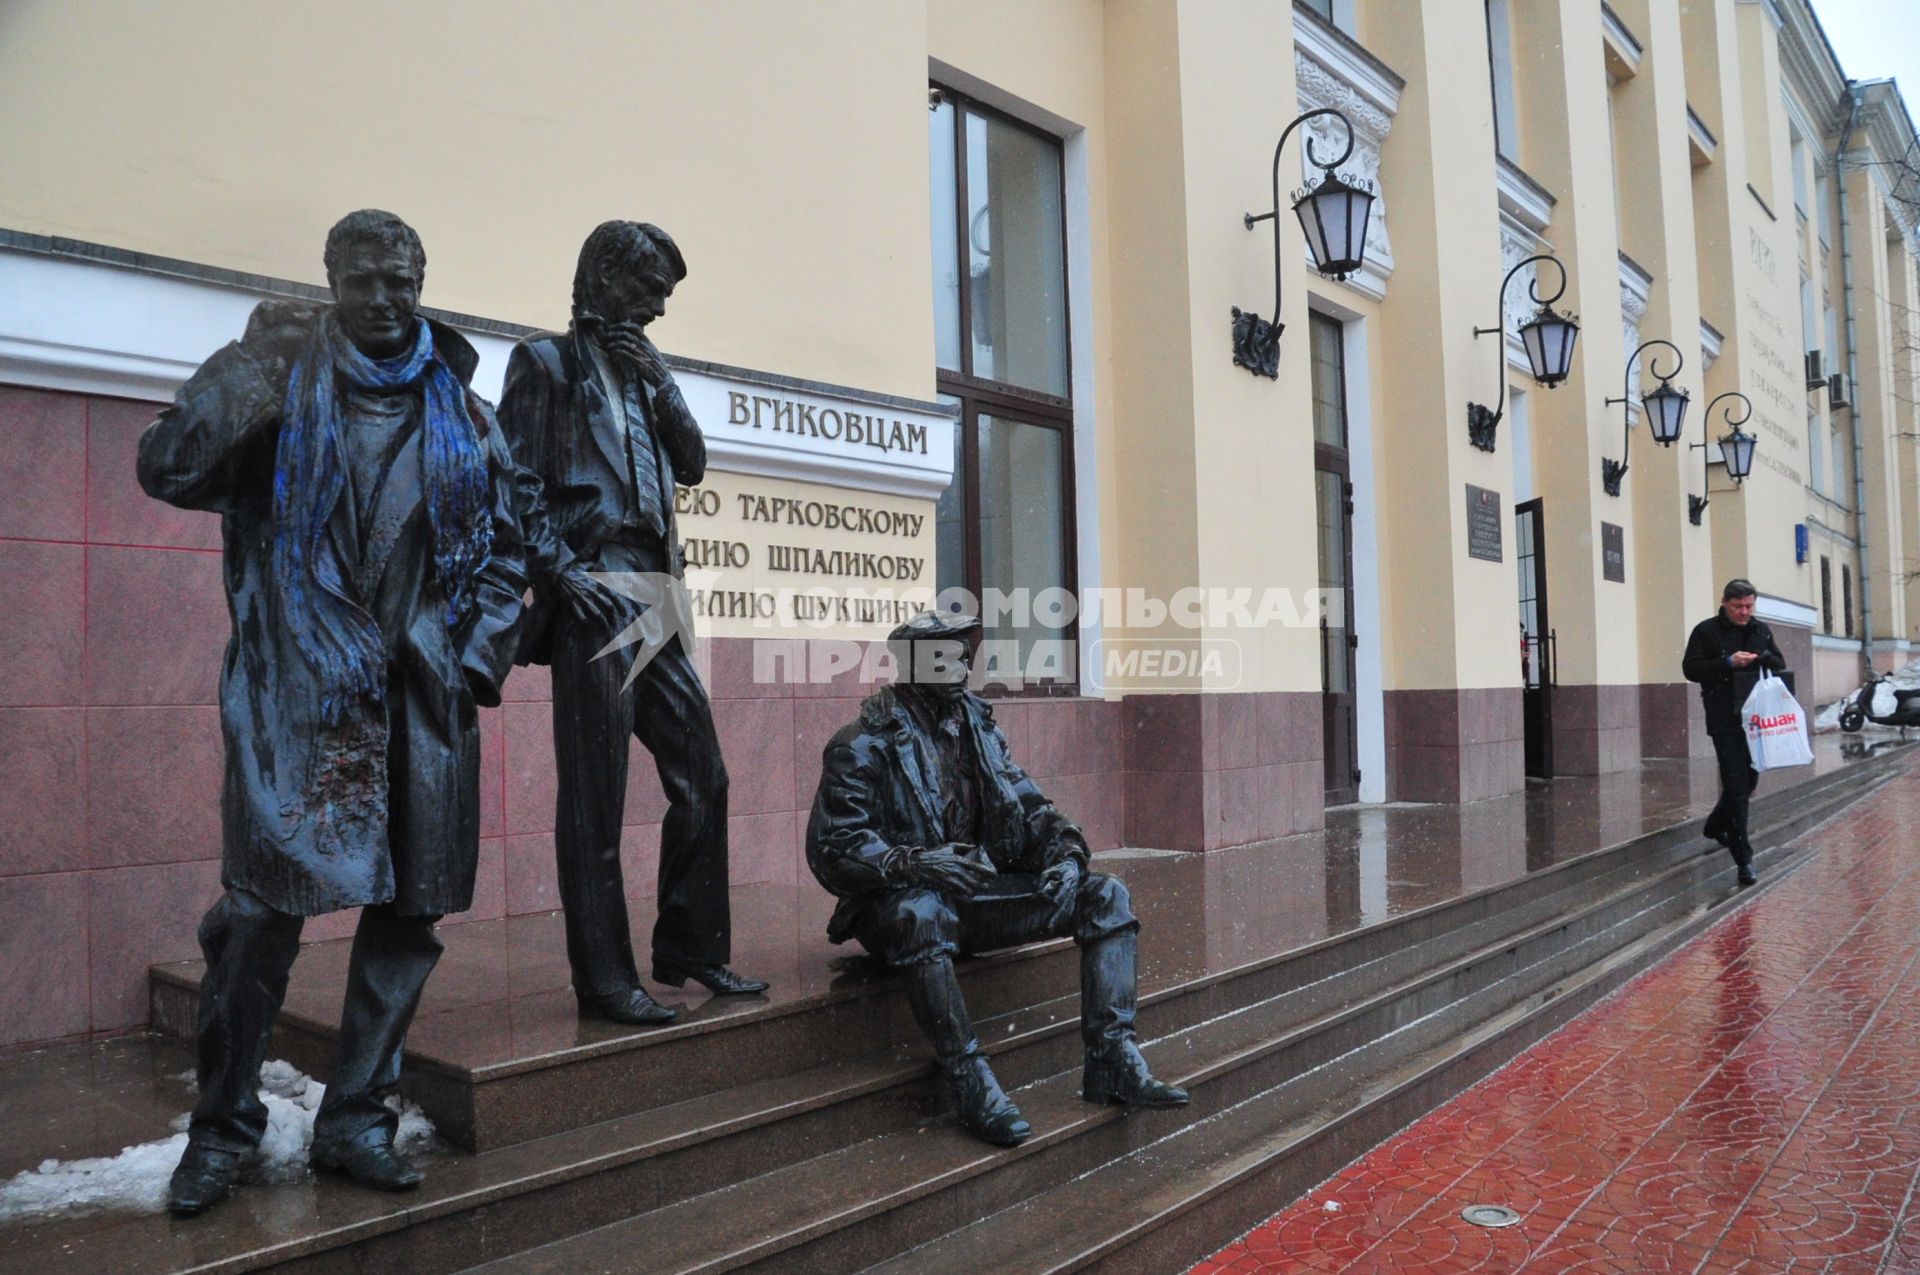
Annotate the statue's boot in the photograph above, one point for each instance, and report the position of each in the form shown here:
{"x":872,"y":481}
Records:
{"x":1116,"y":1072}
{"x":984,"y":1109}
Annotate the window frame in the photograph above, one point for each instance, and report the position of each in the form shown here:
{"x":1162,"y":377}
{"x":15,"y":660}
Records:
{"x":1004,"y":400}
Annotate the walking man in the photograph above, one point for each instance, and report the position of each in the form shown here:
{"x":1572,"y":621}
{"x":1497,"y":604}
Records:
{"x":594,"y":412}
{"x":374,"y":575}
{"x":1725,"y":655}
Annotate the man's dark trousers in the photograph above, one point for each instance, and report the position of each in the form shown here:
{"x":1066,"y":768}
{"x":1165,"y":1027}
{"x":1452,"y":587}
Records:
{"x":594,"y":724}
{"x":250,"y":948}
{"x":1738,"y":779}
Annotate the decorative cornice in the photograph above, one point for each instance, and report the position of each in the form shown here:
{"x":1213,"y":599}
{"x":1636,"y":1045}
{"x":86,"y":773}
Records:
{"x":1332,"y":70}
{"x":1521,"y":197}
{"x":1710,"y":343}
{"x":1348,"y":58}
{"x":1704,"y":143}
{"x":1625,"y":45}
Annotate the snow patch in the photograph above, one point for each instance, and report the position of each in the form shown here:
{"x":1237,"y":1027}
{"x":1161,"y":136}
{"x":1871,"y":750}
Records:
{"x":135,"y":1180}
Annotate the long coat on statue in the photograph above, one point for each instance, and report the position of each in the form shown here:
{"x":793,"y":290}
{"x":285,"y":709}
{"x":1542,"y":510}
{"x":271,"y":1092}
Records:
{"x":385,"y":805}
{"x":564,"y":429}
{"x":876,"y":799}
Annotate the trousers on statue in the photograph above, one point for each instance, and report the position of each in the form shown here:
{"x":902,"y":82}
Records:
{"x":250,"y":948}
{"x":595,"y":721}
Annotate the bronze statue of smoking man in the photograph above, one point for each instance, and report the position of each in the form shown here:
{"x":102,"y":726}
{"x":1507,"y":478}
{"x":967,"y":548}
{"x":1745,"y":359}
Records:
{"x":938,"y":844}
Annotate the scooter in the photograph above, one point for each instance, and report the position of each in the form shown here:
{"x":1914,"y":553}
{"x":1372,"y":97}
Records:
{"x":1859,"y":710}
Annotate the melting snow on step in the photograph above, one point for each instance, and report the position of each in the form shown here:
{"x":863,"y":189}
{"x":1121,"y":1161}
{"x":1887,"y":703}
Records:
{"x":135,"y":1180}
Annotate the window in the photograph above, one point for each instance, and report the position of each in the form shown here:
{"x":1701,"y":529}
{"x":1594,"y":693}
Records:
{"x":1506,"y":122}
{"x":1321,"y":8}
{"x":1000,"y":348}
{"x":1816,"y":452}
{"x":1826,"y":594}
{"x":1846,"y":597}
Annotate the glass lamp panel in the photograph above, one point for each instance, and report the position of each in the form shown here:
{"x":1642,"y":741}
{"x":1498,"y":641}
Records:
{"x":1533,"y":337}
{"x":1736,"y":449}
{"x":1359,"y":209}
{"x":1666,"y":413}
{"x":1560,"y":336}
{"x":1312,"y":223}
{"x":1016,"y":256}
{"x":1023,"y":526}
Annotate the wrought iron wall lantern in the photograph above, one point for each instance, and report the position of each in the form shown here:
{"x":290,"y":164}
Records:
{"x":1666,"y":407}
{"x":1547,"y":337}
{"x":1736,"y":449}
{"x":1333,"y":212}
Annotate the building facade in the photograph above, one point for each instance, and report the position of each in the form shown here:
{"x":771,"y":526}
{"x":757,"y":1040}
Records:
{"x":959,"y":317}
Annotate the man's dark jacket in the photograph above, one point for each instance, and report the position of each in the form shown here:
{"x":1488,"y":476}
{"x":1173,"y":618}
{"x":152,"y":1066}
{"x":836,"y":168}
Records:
{"x":875,"y":802}
{"x":1723,"y":689}
{"x":312,"y":811}
{"x":564,"y":429}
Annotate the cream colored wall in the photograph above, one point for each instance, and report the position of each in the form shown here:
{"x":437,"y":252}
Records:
{"x":1450,"y":618}
{"x":1658,"y":218}
{"x":1252,"y":438}
{"x":782,"y":145}
{"x":1568,"y":142}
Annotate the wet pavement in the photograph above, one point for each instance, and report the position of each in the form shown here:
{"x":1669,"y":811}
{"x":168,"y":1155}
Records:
{"x":1750,"y":1104}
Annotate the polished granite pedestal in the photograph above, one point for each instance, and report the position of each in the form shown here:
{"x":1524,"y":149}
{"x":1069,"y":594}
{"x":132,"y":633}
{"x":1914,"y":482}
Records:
{"x":803,"y":1129}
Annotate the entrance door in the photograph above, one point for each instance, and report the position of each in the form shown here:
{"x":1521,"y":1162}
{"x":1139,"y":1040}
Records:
{"x":1538,"y":670}
{"x":1333,"y":500}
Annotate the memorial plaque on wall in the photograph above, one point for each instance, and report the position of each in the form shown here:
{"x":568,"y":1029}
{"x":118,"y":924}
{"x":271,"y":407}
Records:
{"x":1613,"y":552}
{"x":1483,"y":523}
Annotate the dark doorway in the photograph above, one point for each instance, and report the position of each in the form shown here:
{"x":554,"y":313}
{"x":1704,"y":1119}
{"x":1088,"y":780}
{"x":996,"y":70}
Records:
{"x":1333,"y":500}
{"x":1538,"y":670}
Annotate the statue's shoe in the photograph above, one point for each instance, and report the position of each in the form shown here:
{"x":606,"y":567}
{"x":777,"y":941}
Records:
{"x":202,"y":1179}
{"x":716,"y":978}
{"x":984,"y":1109}
{"x":1117,"y":1073}
{"x":633,"y":1007}
{"x":371,"y":1161}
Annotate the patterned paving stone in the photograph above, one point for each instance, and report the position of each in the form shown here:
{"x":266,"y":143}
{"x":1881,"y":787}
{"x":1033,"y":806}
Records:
{"x":1750,"y":1105}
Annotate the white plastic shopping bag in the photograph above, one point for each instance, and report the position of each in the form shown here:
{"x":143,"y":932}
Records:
{"x":1776,"y":726}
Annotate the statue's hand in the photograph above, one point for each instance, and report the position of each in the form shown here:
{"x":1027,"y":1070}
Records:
{"x":628,"y":343}
{"x":946,"y":868}
{"x":592,"y":602}
{"x":1060,"y":885}
{"x":276,"y":330}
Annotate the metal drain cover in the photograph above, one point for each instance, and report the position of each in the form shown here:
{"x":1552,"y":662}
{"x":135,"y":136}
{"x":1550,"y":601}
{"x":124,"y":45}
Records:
{"x":1492,"y":1215}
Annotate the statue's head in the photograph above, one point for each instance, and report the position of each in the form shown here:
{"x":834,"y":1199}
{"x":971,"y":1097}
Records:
{"x":933,"y":653}
{"x":627,"y":271}
{"x":375,"y":266}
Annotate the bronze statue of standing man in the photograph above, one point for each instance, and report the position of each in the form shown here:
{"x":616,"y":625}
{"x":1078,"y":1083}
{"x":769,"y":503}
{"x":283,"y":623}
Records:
{"x":595,"y":413}
{"x":374,"y":573}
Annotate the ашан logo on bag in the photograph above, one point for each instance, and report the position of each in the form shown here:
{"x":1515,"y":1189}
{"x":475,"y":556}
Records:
{"x":1783,"y":721}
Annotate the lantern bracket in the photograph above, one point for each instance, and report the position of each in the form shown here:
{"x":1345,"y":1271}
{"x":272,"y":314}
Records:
{"x":1483,"y":423}
{"x":1612,"y":471}
{"x":1697,"y":505}
{"x":1256,"y":342}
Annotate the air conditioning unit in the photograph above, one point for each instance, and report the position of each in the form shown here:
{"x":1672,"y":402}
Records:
{"x":1816,"y":370}
{"x":1837,"y":391}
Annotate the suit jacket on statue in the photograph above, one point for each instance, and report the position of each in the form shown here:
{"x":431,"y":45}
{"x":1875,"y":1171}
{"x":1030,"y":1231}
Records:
{"x":875,"y":801}
{"x":565,"y":430}
{"x":386,"y":806}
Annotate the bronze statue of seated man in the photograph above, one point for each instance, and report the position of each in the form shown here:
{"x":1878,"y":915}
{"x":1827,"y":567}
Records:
{"x":938,"y":844}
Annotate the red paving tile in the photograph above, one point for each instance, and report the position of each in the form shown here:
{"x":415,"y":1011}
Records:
{"x":1751,"y":1104}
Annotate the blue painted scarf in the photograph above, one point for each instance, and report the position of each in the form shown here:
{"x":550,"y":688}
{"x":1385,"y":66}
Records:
{"x":332,"y":629}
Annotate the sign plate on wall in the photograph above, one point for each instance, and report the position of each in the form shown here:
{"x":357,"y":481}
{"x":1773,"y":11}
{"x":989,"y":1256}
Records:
{"x":1483,"y":523}
{"x":1613,"y":552}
